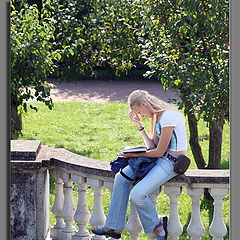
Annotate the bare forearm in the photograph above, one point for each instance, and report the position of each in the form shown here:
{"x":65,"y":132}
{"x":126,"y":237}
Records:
{"x":153,"y":153}
{"x":150,"y":153}
{"x":159,"y":150}
{"x":147,"y":140}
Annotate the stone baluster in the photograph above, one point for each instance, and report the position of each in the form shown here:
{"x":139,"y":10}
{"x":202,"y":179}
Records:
{"x":153,"y":196}
{"x":218,"y":228}
{"x":109,"y":186}
{"x":82,"y":214}
{"x":57,"y":205}
{"x":133,"y":226}
{"x":68,"y":209}
{"x":98,"y":217}
{"x":195,"y":228}
{"x":174,"y":225}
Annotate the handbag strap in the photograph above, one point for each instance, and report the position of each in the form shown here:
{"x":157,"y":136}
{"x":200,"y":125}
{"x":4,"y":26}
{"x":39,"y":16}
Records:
{"x":127,"y":177}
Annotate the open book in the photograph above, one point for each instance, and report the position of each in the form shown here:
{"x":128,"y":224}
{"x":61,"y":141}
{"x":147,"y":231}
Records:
{"x":129,"y":149}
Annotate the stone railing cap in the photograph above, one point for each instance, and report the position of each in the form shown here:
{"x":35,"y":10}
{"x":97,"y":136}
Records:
{"x":25,"y":150}
{"x":60,"y":157}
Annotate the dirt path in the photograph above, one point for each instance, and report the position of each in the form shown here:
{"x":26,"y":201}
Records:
{"x":106,"y":90}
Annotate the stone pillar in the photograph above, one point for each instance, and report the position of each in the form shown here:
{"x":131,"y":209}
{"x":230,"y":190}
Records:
{"x":68,"y":209}
{"x":29,"y":193}
{"x":218,"y":228}
{"x":153,"y":196}
{"x":98,"y":217}
{"x":82,"y":214}
{"x":58,"y":205}
{"x":133,"y":226}
{"x":195,"y":228}
{"x":174,"y":225}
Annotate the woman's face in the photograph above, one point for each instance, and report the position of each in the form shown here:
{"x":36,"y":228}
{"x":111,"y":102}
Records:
{"x":142,"y":110}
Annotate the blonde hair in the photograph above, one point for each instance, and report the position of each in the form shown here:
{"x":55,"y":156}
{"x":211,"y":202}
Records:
{"x":154,"y":104}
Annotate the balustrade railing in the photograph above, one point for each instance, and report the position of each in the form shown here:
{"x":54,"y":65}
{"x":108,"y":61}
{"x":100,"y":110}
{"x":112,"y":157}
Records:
{"x":195,"y":181}
{"x":72,"y":222}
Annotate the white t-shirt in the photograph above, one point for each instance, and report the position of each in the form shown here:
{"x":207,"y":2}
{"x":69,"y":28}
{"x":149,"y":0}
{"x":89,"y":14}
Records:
{"x":173,"y":118}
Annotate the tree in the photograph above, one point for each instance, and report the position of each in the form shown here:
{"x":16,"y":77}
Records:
{"x":96,"y":34}
{"x":185,"y":43}
{"x":31,"y":59}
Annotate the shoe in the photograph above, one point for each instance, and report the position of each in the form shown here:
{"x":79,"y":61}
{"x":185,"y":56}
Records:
{"x":99,"y":230}
{"x":164,"y":224}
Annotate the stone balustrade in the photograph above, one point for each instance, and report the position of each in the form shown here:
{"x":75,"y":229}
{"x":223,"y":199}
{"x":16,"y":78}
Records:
{"x":68,"y":168}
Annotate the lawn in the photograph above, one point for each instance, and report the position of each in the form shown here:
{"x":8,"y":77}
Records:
{"x":100,"y":131}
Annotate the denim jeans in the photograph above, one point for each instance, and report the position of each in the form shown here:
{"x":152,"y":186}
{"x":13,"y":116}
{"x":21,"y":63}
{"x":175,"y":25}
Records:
{"x":157,"y":176}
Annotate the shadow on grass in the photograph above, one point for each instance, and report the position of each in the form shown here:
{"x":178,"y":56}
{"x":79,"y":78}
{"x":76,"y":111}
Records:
{"x":207,"y":205}
{"x":184,"y":234}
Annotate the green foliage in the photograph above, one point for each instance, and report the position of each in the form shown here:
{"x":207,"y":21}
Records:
{"x":31,"y":56}
{"x":185,"y":43}
{"x":96,"y":34}
{"x":71,"y":38}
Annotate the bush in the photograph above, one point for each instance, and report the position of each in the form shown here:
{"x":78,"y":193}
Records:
{"x":31,"y":59}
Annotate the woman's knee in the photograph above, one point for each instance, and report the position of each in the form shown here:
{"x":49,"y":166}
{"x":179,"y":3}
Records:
{"x":136,"y":196}
{"x":119,"y":179}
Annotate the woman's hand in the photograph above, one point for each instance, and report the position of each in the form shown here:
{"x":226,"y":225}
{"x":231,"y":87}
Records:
{"x":135,"y":118}
{"x":128,"y":155}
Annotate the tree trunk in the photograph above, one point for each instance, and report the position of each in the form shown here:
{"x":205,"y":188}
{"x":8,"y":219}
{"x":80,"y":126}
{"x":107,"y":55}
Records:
{"x":194,"y":143}
{"x":16,"y":119}
{"x":215,"y":144}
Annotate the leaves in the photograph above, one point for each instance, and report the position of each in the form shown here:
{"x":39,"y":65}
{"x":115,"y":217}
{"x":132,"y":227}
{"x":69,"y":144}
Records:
{"x":182,"y":43}
{"x":31,"y":56}
{"x":187,"y":53}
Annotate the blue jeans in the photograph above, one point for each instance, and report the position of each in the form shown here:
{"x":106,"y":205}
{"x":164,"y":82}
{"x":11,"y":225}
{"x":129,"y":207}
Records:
{"x":157,"y":176}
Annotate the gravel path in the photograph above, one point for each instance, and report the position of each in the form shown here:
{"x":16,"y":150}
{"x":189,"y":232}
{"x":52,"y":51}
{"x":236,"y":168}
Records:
{"x":106,"y":90}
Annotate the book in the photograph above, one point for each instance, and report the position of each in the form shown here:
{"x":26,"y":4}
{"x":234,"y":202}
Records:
{"x":130,"y":149}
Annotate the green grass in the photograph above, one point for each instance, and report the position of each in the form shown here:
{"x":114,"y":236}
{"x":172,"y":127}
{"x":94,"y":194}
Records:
{"x":100,"y":131}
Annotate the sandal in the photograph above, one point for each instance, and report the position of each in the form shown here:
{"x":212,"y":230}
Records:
{"x":100,"y":231}
{"x":164,"y":224}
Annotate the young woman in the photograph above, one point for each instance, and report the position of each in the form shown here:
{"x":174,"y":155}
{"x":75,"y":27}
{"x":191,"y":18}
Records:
{"x":166,"y":142}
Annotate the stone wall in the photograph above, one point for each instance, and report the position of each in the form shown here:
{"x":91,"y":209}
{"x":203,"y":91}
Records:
{"x":29,"y":193}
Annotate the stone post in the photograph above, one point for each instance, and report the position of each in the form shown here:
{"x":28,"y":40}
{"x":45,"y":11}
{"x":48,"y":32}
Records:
{"x":68,"y":209}
{"x":29,"y":191}
{"x":57,"y":205}
{"x":82,"y":214}
{"x":175,"y":228}
{"x":98,"y":217}
{"x":195,"y":228}
{"x":218,"y":228}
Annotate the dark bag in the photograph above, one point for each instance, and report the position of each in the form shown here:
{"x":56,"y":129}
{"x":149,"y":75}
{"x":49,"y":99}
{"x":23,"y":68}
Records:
{"x":181,"y":165}
{"x":141,"y":165}
{"x":118,"y":163}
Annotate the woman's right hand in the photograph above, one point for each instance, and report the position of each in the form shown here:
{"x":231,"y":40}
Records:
{"x":135,"y":118}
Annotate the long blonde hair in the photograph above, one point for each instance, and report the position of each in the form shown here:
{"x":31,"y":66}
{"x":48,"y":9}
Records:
{"x":154,"y":104}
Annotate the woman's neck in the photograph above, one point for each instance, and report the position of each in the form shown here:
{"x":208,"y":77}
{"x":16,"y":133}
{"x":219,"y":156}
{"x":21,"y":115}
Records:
{"x":158,"y":116}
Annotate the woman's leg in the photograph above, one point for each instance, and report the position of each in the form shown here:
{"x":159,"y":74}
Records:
{"x":159,"y":174}
{"x":119,"y":200}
